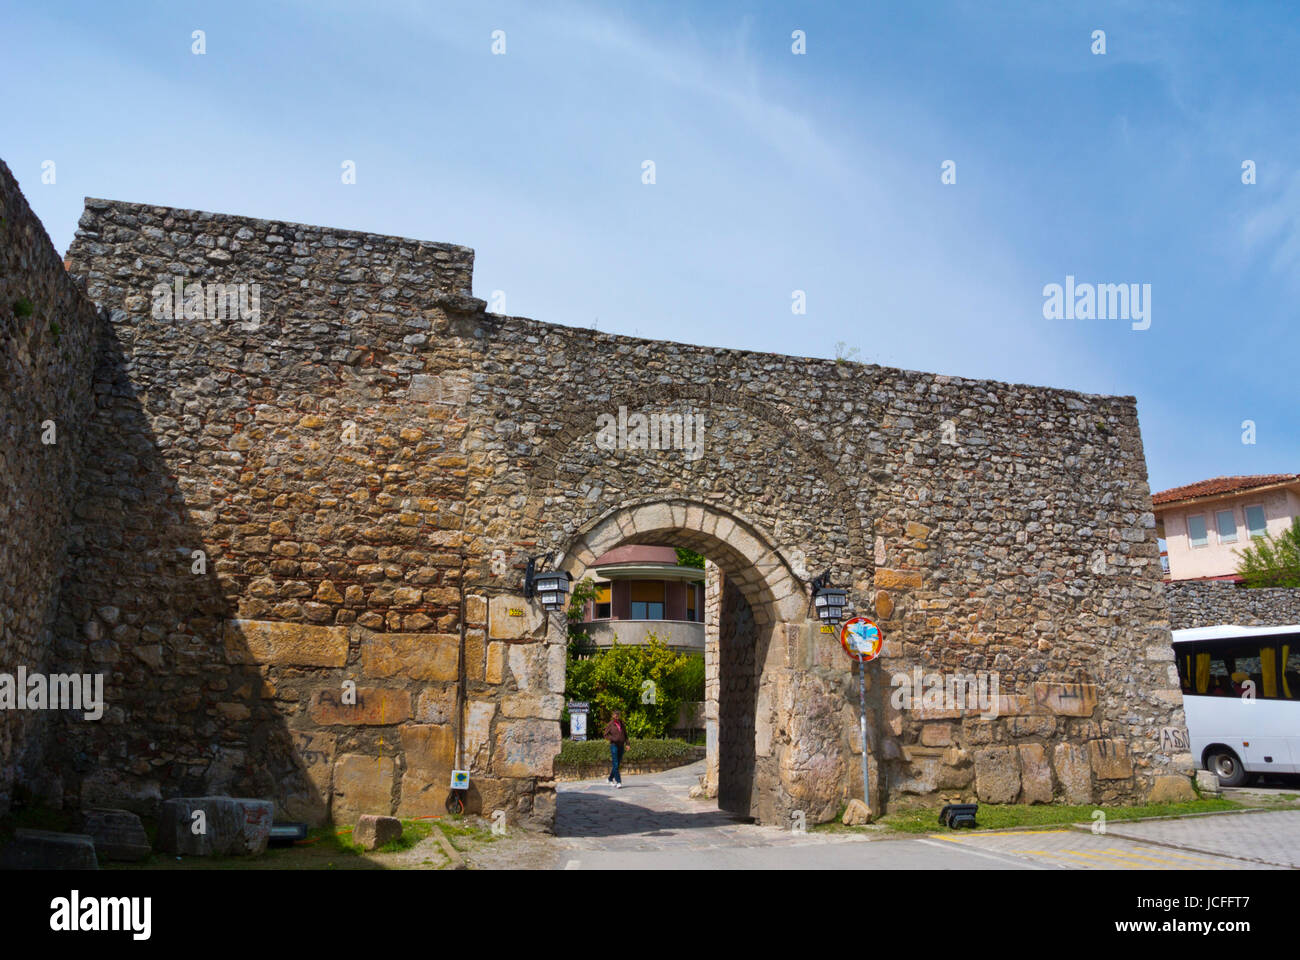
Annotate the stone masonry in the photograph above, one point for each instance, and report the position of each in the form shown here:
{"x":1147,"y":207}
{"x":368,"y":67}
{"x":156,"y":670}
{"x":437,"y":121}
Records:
{"x":1209,"y":603}
{"x":48,"y":332}
{"x":298,"y":540}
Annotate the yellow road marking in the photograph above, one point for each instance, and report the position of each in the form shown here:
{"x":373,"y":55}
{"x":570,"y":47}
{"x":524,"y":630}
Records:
{"x":1163,"y":853}
{"x":1123,"y":864}
{"x":1001,"y":833}
{"x":1136,"y":856}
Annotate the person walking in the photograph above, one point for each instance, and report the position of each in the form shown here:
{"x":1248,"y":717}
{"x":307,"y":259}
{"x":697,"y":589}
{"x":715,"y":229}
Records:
{"x":616,"y":734}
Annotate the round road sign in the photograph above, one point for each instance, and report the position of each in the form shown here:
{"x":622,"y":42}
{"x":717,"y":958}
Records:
{"x":861,"y":639}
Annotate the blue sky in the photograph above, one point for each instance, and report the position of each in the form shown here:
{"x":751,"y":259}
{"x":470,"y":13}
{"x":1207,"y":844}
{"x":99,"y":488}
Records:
{"x":775,"y":172}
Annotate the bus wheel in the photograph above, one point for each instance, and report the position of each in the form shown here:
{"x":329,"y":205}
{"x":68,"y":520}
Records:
{"x":1223,"y":763}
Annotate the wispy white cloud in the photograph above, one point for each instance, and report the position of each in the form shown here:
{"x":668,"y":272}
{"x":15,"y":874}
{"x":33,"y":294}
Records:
{"x":1274,"y":231}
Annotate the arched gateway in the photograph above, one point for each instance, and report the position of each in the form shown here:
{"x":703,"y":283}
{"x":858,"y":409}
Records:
{"x":745,"y":657}
{"x":366,"y":466}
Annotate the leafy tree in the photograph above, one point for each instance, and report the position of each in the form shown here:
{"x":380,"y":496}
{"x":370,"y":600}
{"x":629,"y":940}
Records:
{"x":687,"y":682}
{"x":580,"y":642}
{"x":689,"y":558}
{"x":1272,"y":561}
{"x":642,"y":682}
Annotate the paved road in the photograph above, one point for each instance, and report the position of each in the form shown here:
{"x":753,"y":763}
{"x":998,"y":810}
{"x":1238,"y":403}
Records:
{"x":652,"y":824}
{"x":1269,"y":837}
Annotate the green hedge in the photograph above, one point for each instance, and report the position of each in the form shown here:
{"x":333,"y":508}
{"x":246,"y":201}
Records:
{"x":577,"y":753}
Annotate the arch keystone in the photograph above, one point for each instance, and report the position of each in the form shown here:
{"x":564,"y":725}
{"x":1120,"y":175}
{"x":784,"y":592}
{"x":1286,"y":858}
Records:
{"x":653,"y":517}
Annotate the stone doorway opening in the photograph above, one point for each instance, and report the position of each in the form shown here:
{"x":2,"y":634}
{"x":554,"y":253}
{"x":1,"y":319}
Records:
{"x":756,"y":612}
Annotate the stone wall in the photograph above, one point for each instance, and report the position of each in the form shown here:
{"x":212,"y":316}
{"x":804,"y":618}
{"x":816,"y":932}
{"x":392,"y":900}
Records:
{"x":47,"y":341}
{"x":314,"y":455}
{"x":1209,"y":603}
{"x":367,"y":464}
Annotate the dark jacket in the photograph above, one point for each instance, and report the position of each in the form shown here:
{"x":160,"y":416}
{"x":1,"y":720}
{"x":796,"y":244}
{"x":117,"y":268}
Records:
{"x":615,"y":732}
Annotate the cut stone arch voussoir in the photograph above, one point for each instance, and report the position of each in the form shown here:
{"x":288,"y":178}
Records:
{"x":743,"y":553}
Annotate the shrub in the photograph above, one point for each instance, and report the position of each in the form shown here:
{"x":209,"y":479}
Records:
{"x":1272,"y":561}
{"x":580,"y":642}
{"x":635,"y":680}
{"x":687,"y":682}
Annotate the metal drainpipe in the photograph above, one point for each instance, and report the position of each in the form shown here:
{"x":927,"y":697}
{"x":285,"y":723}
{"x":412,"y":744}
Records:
{"x":460,"y":673}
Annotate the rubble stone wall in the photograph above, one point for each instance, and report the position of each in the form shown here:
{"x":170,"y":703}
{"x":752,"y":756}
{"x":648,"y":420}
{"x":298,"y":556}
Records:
{"x":47,"y":343}
{"x":1212,"y":602}
{"x":301,"y":534}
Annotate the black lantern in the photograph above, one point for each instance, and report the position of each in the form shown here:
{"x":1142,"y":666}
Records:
{"x":957,"y":815}
{"x":551,"y":587}
{"x":828,"y":600}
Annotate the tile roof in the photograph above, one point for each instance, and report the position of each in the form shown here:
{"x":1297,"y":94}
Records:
{"x":1218,"y":485}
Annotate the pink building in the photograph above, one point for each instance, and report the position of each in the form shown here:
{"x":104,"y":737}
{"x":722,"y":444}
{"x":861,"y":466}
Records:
{"x":1204,"y":523}
{"x":643,"y":590}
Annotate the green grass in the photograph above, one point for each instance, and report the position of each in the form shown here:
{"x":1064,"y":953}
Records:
{"x":462,"y":833}
{"x":413,"y":831}
{"x":1000,"y":816}
{"x":326,"y":848}
{"x":34,"y":816}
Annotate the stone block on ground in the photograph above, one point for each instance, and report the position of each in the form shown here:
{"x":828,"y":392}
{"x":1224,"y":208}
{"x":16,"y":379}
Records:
{"x":228,"y":826}
{"x":1171,"y":789}
{"x":856,"y":813}
{"x":48,"y":850}
{"x":118,"y":834}
{"x":1208,"y":783}
{"x":374,"y":831}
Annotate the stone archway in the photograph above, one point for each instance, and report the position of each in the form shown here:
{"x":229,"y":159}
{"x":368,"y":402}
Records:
{"x":749,"y":660}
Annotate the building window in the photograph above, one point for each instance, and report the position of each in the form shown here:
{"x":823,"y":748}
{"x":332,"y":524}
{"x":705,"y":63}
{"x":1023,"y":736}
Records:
{"x":1227,"y":526}
{"x":602,"y":601}
{"x":647,"y":600}
{"x":1255,"y":522}
{"x":1196,"y":532}
{"x":690,"y":602}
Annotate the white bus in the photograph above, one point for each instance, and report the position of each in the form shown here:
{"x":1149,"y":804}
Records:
{"x":1241,"y":693}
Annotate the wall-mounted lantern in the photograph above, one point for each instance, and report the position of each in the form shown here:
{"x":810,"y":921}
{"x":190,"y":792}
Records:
{"x":551,"y":587}
{"x":828,"y":600}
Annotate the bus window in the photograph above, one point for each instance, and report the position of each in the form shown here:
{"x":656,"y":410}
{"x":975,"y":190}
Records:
{"x":1194,"y":669}
{"x":1266,"y":666}
{"x":1238,"y":667}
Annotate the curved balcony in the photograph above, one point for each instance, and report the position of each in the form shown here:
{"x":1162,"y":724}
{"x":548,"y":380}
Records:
{"x":678,"y":634}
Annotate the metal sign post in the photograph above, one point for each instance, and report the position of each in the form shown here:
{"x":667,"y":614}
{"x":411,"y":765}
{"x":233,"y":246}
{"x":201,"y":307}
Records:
{"x":862,"y":720}
{"x":578,"y":710}
{"x":862,"y":641}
